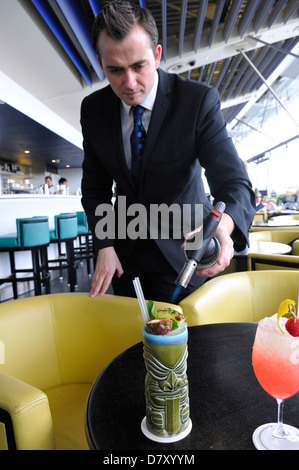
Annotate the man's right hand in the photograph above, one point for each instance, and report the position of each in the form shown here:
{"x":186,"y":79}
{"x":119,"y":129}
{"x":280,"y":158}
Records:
{"x":106,"y":266}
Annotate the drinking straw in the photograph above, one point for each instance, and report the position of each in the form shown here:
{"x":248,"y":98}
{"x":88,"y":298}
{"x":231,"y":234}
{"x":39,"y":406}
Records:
{"x":141,"y":300}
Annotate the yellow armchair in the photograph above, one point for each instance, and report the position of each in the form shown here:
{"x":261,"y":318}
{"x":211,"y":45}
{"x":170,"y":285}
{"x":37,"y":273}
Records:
{"x":260,"y":216}
{"x":260,"y":262}
{"x":295,"y":248}
{"x":278,"y":236}
{"x":276,"y":228}
{"x":54,"y":348}
{"x":27,"y":416}
{"x":240,"y":297}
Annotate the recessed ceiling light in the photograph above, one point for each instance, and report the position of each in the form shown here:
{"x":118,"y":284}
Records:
{"x":26,"y":151}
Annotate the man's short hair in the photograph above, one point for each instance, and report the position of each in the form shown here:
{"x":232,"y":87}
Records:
{"x":119,"y":17}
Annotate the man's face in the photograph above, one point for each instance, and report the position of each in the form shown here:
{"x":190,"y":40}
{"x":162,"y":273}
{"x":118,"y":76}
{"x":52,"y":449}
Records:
{"x":129,"y":64}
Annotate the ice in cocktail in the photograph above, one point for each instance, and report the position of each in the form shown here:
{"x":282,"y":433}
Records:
{"x":275,"y":359}
{"x":166,"y":384}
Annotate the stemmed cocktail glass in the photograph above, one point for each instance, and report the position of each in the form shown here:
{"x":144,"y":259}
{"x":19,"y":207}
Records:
{"x":275,"y":361}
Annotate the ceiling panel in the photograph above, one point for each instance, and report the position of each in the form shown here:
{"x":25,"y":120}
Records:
{"x":233,"y":45}
{"x":20,"y":133}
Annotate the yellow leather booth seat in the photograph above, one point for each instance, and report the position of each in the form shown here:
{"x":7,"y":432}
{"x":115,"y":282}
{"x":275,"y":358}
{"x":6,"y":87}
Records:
{"x":278,"y":236}
{"x":260,"y":262}
{"x":295,"y":248}
{"x":261,"y":228}
{"x":260,"y":216}
{"x":240,"y":297}
{"x":52,"y":348}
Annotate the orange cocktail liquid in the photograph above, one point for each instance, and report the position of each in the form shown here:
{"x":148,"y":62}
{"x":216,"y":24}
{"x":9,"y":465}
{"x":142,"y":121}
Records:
{"x":276,"y":375}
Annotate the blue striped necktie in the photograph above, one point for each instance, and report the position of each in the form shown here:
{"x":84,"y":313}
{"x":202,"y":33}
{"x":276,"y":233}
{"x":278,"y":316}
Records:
{"x":137,"y":140}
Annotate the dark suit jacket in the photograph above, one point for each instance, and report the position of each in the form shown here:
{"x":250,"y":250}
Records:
{"x":186,"y":134}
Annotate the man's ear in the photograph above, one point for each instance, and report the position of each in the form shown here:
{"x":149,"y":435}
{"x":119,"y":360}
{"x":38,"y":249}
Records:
{"x":158,"y":54}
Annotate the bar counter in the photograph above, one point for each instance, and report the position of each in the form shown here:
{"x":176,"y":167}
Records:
{"x":14,"y":206}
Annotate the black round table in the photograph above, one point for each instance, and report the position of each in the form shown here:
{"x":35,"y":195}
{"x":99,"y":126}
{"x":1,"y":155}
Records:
{"x":269,"y":248}
{"x":260,"y":247}
{"x":265,"y":248}
{"x":226,"y":402}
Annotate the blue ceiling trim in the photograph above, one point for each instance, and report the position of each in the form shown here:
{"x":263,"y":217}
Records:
{"x":202,"y":8}
{"x":247,"y":16}
{"x":205,"y":72}
{"x":200,"y":72}
{"x":250,"y":75}
{"x":94,"y":5}
{"x":288,"y":45}
{"x":290,"y":10}
{"x":230,"y":114}
{"x":276,"y":11}
{"x":260,"y":62}
{"x":74,"y":14}
{"x":215,"y":21}
{"x":272,"y":60}
{"x":62,"y":38}
{"x":182,"y":26}
{"x":265,"y":66}
{"x":222,"y":72}
{"x":231,"y":19}
{"x":211,"y":73}
{"x":234,"y":63}
{"x":262,"y":13}
{"x":239,"y":75}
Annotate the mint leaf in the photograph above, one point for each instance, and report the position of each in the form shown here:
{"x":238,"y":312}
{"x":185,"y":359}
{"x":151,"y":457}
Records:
{"x":150,"y":309}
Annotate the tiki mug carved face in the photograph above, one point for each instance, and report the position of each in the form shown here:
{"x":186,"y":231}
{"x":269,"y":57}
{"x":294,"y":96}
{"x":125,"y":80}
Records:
{"x":166,"y":384}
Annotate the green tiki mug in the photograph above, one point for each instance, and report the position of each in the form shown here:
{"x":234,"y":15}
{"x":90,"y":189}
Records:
{"x":166,"y":386}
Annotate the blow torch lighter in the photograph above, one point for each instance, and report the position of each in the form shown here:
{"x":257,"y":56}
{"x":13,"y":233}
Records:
{"x":209,"y":251}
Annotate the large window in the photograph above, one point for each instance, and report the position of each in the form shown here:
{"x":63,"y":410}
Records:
{"x":266,"y":126}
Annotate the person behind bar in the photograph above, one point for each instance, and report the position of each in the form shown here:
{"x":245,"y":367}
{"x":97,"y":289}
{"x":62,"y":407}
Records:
{"x":48,"y":181}
{"x":185,"y":133}
{"x":63,"y":181}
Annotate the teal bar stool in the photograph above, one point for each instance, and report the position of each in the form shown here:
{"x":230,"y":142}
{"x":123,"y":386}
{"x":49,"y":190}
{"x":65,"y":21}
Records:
{"x":85,"y":250}
{"x":65,"y":231}
{"x":82,"y":223}
{"x":31,"y":234}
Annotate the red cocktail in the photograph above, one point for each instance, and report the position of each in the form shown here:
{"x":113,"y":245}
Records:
{"x":275,"y":360}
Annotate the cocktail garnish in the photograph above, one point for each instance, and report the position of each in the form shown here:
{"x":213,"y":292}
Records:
{"x":287,"y":306}
{"x":165,"y":313}
{"x":292,"y":325}
{"x":159,"y":327}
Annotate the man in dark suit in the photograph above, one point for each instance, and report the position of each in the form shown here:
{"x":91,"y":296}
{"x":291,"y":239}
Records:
{"x":185,"y":132}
